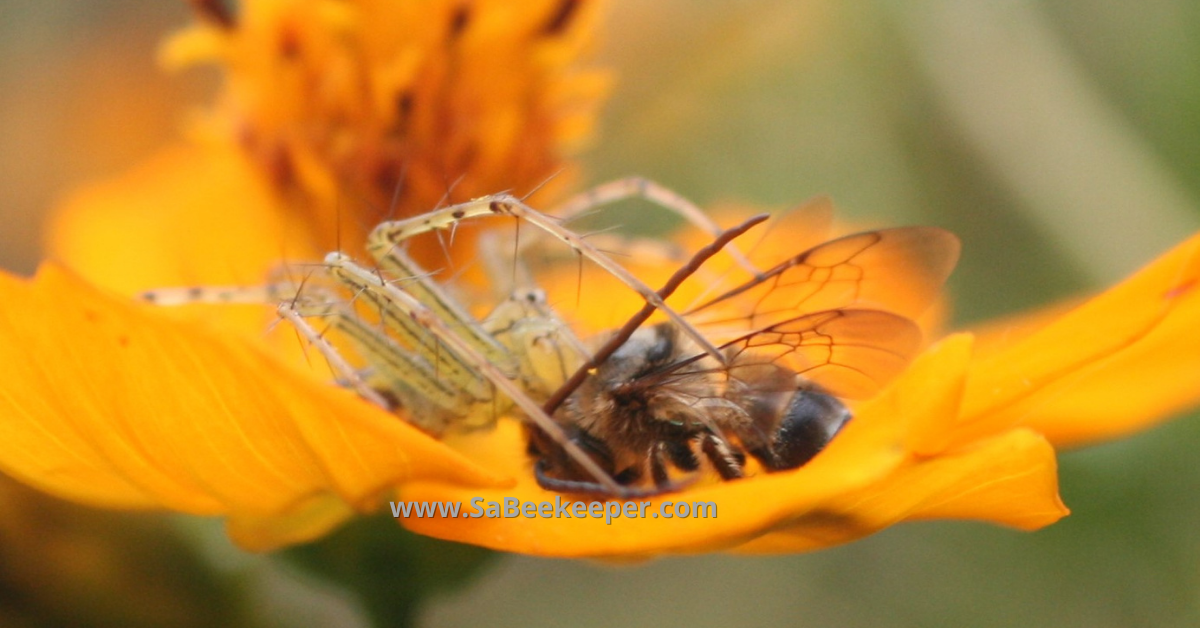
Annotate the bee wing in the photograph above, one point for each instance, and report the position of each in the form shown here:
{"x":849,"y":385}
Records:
{"x":896,"y":270}
{"x":850,"y":352}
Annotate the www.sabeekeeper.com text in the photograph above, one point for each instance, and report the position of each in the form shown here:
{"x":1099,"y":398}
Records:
{"x":511,"y":507}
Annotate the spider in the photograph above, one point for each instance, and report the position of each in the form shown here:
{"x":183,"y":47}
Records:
{"x":649,"y":398}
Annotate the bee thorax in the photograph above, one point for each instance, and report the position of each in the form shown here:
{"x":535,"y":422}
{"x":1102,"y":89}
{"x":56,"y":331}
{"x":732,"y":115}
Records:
{"x":625,"y":403}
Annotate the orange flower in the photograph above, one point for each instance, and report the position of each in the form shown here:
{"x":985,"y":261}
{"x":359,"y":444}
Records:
{"x":138,"y":409}
{"x":125,"y":405}
{"x":332,"y":116}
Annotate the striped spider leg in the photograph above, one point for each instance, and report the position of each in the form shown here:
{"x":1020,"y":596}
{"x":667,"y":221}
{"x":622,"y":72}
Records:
{"x":648,"y":190}
{"x":385,"y":238}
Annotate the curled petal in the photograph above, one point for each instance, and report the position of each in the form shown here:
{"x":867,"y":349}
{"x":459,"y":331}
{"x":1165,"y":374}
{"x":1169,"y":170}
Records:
{"x":306,"y":520}
{"x":871,"y":451}
{"x":1010,"y":480}
{"x":115,"y":404}
{"x":1117,"y":363}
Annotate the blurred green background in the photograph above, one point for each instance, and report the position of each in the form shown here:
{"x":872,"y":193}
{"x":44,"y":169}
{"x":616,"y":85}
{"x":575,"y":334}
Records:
{"x":1059,"y":138}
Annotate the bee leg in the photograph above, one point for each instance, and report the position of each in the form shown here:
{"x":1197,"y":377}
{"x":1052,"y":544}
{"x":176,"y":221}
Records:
{"x":556,"y":471}
{"x":583,"y":487}
{"x":682,"y":455}
{"x":553,"y":459}
{"x":628,"y":476}
{"x":729,"y":462}
{"x":551,"y":483}
{"x":658,"y":465}
{"x":812,"y":420}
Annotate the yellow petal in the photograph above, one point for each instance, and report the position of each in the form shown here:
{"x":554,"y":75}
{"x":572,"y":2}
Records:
{"x":869,"y":451}
{"x":188,"y":216}
{"x":1010,"y":480}
{"x":114,"y":404}
{"x":1120,"y":362}
{"x":305,"y":521}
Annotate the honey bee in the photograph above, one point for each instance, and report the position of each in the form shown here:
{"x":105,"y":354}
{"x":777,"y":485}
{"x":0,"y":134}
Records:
{"x":832,"y":322}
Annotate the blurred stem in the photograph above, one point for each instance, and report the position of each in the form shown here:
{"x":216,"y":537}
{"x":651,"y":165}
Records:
{"x":64,"y":564}
{"x":1013,"y":91}
{"x":393,"y":571}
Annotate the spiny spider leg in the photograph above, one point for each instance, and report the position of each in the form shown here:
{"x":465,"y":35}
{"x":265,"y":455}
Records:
{"x":520,"y":338}
{"x":432,"y":402}
{"x":222,"y":295}
{"x":420,"y":285}
{"x":653,"y":192}
{"x":288,"y":312}
{"x":386,"y":236}
{"x":417,"y":372}
{"x":398,"y":303}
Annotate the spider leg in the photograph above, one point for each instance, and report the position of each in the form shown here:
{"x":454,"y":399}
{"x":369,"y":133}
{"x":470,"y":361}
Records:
{"x":396,"y":304}
{"x":654,"y":192}
{"x":385,"y":236}
{"x":594,"y":488}
{"x":432,"y":402}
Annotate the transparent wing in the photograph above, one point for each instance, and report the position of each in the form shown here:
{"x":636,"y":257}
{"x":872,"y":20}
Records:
{"x":850,"y":353}
{"x":895,"y":270}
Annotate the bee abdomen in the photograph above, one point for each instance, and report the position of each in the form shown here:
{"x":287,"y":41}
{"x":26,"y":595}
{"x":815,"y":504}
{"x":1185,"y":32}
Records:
{"x":810,"y":421}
